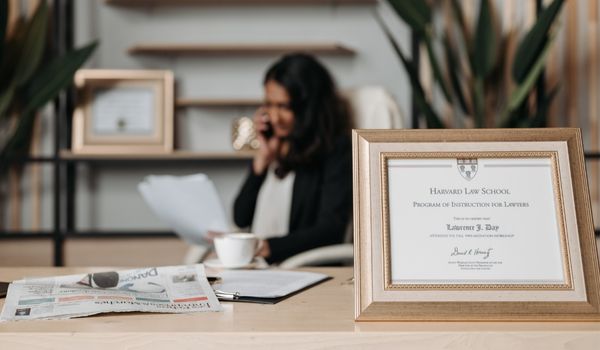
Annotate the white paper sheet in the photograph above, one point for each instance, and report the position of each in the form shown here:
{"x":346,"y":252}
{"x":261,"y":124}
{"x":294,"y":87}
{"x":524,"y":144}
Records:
{"x":265,"y":283}
{"x":124,"y":110}
{"x":496,"y":223}
{"x":190,"y":205}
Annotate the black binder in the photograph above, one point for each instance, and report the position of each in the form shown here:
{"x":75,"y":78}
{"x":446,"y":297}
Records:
{"x":3,"y":289}
{"x":241,"y":285}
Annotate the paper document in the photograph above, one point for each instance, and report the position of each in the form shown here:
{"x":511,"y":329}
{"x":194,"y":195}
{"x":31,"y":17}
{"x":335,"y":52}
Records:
{"x":190,"y":205}
{"x":264,"y":286}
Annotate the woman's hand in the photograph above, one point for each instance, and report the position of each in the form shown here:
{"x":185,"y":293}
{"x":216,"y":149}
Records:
{"x":264,"y":250}
{"x":211,"y":235}
{"x":269,"y":147}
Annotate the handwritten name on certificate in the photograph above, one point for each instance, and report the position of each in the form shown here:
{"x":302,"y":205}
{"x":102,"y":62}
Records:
{"x":479,"y":220}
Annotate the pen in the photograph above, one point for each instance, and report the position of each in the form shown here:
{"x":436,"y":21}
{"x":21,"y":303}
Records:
{"x":226,"y":295}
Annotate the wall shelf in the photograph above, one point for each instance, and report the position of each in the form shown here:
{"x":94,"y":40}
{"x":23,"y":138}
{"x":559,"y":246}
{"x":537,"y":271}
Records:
{"x":239,"y":49}
{"x":175,"y":156}
{"x":11,"y":235}
{"x":79,"y":234}
{"x":217,"y":102}
{"x":237,"y":2}
{"x":26,"y":234}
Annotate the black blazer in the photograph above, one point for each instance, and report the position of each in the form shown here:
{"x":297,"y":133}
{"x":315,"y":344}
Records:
{"x":321,"y":203}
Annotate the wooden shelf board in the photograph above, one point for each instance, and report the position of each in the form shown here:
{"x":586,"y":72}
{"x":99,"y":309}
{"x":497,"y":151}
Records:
{"x":112,"y":234}
{"x":176,"y":155}
{"x":216,"y":102}
{"x":238,"y":49}
{"x":237,"y":2}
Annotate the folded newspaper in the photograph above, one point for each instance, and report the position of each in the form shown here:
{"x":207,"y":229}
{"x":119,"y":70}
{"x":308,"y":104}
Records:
{"x":168,"y":289}
{"x":190,"y":205}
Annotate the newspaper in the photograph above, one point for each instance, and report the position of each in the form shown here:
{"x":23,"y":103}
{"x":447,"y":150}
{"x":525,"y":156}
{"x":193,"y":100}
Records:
{"x":169,"y":289}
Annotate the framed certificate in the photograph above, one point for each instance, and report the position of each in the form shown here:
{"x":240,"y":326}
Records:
{"x":473,"y":225}
{"x":123,"y":111}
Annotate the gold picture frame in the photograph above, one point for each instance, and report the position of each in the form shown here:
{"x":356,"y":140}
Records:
{"x":123,"y":111}
{"x":473,"y":225}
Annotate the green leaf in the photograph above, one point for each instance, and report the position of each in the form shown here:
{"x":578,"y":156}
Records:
{"x":534,"y":41}
{"x":540,"y":120}
{"x":12,"y":47}
{"x":523,"y":90}
{"x":19,"y":141}
{"x":415,"y":13}
{"x":466,"y":36}
{"x":47,"y":83}
{"x":484,"y":55}
{"x":454,"y":73}
{"x":5,"y":100}
{"x":459,"y":15}
{"x":432,"y":119}
{"x":418,"y":15}
{"x":478,"y":102}
{"x":421,"y":7}
{"x":3,"y":26}
{"x":33,"y":45}
{"x":55,"y":76}
{"x":437,"y":71}
{"x":518,"y":117}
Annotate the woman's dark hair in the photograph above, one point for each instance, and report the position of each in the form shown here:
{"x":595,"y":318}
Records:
{"x":320,"y":115}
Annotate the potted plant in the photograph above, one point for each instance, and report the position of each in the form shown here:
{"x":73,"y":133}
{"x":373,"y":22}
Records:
{"x":483,"y":86}
{"x":30,"y":77}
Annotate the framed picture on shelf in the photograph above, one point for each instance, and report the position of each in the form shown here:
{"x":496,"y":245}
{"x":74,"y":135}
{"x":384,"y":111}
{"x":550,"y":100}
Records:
{"x":123,"y":111}
{"x":473,"y":225}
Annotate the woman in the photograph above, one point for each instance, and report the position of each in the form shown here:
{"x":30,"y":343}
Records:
{"x":298,"y":193}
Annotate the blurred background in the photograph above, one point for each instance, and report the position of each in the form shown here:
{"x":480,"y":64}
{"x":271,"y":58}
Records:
{"x":433,"y":58}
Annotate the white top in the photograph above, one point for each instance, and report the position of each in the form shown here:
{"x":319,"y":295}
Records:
{"x":273,"y":206}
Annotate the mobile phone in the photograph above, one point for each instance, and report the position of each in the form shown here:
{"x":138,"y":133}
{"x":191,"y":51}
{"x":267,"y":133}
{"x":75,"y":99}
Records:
{"x":268,"y":132}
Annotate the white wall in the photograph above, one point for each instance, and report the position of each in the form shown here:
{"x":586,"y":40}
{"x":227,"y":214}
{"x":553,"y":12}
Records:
{"x":107,"y":197}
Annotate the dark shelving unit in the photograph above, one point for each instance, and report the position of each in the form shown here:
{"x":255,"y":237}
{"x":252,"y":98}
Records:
{"x":61,"y":41}
{"x":63,"y":168}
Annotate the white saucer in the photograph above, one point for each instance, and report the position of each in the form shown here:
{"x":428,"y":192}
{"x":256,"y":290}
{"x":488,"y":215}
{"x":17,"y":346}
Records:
{"x":217,"y":264}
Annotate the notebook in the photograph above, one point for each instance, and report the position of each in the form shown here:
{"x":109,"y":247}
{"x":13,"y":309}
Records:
{"x":264,"y":286}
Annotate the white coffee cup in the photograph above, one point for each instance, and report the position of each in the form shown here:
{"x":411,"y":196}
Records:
{"x":236,"y":249}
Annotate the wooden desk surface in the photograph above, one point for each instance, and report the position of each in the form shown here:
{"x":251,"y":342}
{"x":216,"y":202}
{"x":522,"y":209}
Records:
{"x":321,"y":317}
